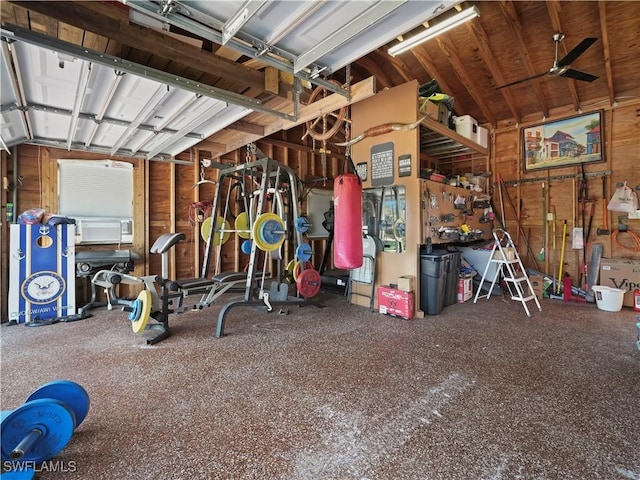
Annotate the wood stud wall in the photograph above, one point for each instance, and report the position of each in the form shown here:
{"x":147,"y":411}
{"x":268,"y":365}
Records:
{"x":163,"y":193}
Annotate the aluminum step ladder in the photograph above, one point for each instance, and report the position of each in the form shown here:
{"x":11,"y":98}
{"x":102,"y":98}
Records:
{"x":505,"y":255}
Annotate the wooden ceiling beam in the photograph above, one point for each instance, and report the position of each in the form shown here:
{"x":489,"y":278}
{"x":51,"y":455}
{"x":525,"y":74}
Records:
{"x":481,"y":41}
{"x":359,"y":91}
{"x":602,"y":9}
{"x":426,"y":62}
{"x":509,"y":11}
{"x":213,"y":147}
{"x":372,"y":67}
{"x":299,"y":148}
{"x":105,"y":19}
{"x":553,"y":8}
{"x":397,"y":64}
{"x":458,"y":67}
{"x":247,"y":127}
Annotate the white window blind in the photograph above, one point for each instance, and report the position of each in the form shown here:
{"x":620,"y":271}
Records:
{"x":95,"y":188}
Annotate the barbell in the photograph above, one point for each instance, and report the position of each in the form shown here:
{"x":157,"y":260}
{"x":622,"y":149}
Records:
{"x":42,"y":426}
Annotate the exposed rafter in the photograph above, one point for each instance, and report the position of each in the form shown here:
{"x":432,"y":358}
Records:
{"x":480,"y":40}
{"x":553,"y":7}
{"x":398,"y":65}
{"x":458,"y":67}
{"x":427,"y":63}
{"x":602,"y":9}
{"x":510,"y":13}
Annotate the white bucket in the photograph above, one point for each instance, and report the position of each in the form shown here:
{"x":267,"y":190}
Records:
{"x":609,"y":299}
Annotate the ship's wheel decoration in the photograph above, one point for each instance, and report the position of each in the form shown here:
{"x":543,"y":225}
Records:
{"x":327,"y":124}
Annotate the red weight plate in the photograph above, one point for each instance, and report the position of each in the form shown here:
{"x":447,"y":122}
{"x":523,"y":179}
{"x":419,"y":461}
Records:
{"x":308,"y":283}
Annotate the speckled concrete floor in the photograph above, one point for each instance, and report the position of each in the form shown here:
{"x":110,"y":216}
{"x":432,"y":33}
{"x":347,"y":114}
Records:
{"x":477,"y":392}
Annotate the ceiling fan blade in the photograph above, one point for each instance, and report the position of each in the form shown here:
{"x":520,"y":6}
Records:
{"x":577,"y":51}
{"x":522,"y":80}
{"x":578,"y":75}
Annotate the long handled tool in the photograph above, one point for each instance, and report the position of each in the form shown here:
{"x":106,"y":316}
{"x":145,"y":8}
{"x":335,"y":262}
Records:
{"x":551,"y":217}
{"x":605,"y":229}
{"x":564,"y":239}
{"x":586,"y":242}
{"x":544,"y":224}
{"x":530,"y":253}
{"x":584,"y":198}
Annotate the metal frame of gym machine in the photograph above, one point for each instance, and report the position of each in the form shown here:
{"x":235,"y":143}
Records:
{"x":269,"y":172}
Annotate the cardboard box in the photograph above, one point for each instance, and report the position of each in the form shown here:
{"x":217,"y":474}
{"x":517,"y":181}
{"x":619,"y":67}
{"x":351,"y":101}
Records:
{"x":427,"y":107}
{"x":394,"y":302}
{"x":407,"y":283}
{"x":538,"y":284}
{"x":444,"y":114}
{"x":621,"y":273}
{"x":509,"y":254}
{"x":465,"y":288}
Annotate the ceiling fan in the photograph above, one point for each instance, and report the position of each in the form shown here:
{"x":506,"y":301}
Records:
{"x":561,"y":68}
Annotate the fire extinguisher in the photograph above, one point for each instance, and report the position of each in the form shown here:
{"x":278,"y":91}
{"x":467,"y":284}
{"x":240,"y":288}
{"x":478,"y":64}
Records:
{"x":636,"y":299}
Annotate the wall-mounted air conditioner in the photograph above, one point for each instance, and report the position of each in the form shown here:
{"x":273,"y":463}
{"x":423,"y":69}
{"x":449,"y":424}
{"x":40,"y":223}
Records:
{"x":104,"y":230}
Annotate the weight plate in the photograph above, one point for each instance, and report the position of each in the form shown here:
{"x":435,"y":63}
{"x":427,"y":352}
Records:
{"x":144,"y":301}
{"x":271,"y":232}
{"x":52,"y":417}
{"x":276,"y":254}
{"x":268,"y":232}
{"x":298,"y":267}
{"x":221,"y":224}
{"x":136,"y":310}
{"x":303,"y":252}
{"x":308,"y":283}
{"x":241,"y":224}
{"x":67,"y":392}
{"x":288,"y":273}
{"x":302,"y":224}
{"x":246,"y":247}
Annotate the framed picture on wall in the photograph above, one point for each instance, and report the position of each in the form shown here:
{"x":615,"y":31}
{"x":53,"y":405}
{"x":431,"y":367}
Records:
{"x":565,"y":142}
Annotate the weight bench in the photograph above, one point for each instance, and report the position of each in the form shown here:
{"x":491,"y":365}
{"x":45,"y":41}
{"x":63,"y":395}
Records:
{"x":162,"y":302}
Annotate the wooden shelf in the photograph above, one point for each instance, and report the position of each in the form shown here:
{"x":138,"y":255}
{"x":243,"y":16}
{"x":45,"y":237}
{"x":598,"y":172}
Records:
{"x":440,"y":142}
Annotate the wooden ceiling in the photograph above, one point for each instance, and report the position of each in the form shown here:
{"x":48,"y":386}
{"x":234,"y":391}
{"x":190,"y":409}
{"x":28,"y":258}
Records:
{"x":510,"y":40}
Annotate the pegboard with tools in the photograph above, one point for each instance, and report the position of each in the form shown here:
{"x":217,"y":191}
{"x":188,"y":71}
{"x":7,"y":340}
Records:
{"x":454,"y":214}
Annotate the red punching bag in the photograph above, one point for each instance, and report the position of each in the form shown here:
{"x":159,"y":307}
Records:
{"x":347,"y":227}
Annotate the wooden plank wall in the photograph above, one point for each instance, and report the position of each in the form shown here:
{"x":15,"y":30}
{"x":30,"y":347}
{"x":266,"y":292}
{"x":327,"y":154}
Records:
{"x":622,"y":157}
{"x":163,"y":194}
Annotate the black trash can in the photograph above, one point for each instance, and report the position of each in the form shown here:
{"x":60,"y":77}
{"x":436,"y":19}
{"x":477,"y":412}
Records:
{"x":433,"y":270}
{"x":451,"y":282}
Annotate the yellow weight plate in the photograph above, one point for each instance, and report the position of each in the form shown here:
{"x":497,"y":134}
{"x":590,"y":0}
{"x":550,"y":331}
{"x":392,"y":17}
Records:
{"x":268,"y":232}
{"x":288,"y":273}
{"x":145,"y":312}
{"x":241,"y":224}
{"x":221,"y":224}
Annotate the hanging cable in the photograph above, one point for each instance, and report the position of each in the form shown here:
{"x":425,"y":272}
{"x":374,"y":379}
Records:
{"x":635,"y":238}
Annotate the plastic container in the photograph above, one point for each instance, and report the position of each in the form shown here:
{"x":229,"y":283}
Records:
{"x":467,"y":126}
{"x":451,"y":282}
{"x":608,"y":299}
{"x":433,"y":272}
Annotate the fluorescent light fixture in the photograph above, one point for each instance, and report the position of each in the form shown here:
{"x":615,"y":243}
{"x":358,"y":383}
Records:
{"x":432,"y":32}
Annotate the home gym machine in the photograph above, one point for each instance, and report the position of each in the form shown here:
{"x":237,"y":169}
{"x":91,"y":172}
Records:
{"x":271,"y":195}
{"x":274,"y":216}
